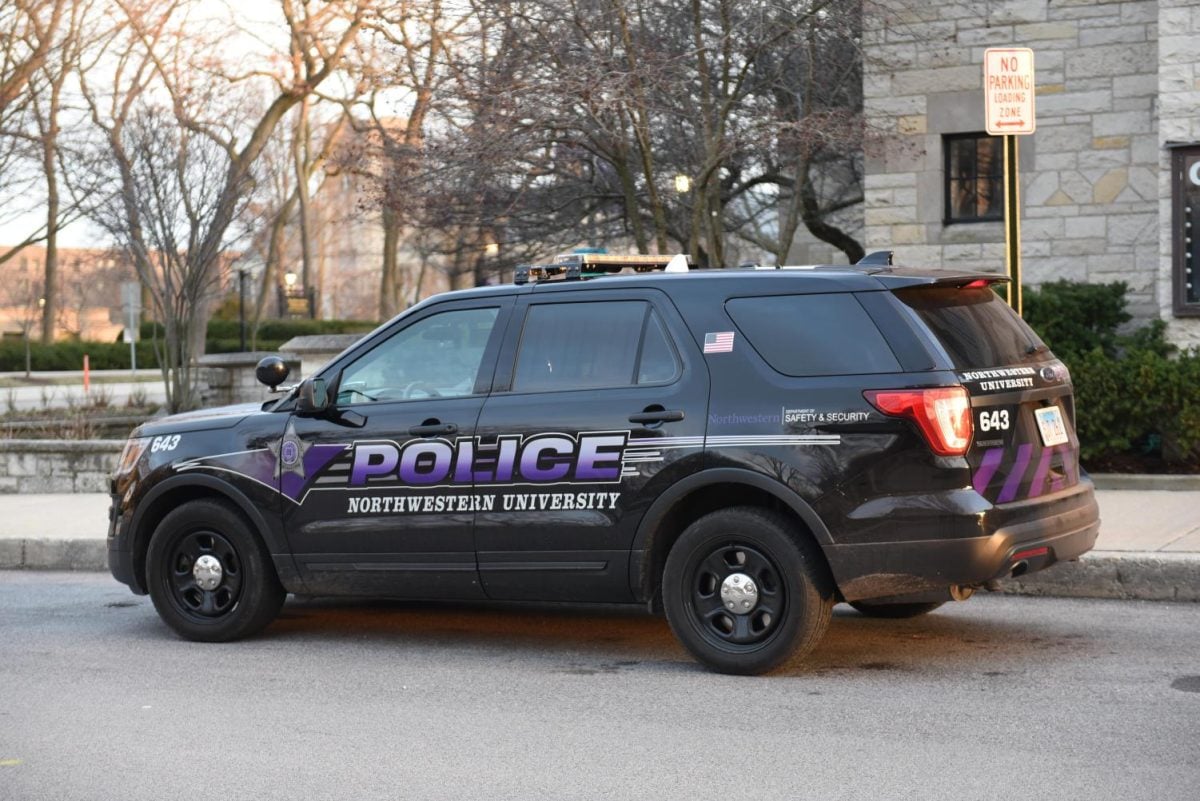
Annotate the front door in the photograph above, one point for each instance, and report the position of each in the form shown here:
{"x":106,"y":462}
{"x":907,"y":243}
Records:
{"x":599,"y":406}
{"x":377,"y":498}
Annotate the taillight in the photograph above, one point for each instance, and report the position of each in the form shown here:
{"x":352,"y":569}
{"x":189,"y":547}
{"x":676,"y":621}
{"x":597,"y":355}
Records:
{"x":942,"y":413}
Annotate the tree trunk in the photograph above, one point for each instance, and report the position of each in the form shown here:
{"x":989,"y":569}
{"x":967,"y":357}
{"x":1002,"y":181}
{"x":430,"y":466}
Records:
{"x":388,"y":286}
{"x":300,"y":153}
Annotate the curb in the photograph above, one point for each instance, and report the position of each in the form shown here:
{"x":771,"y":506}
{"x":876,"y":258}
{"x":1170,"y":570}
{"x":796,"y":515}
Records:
{"x":30,"y":554}
{"x":1145,"y":481}
{"x":1123,"y":575}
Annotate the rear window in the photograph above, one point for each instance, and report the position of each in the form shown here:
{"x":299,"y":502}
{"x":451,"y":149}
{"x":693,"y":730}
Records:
{"x":975,"y":327}
{"x":805,"y":335}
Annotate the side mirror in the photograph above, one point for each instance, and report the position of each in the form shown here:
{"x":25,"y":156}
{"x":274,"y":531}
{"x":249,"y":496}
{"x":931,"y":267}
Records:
{"x":272,"y":371}
{"x":312,"y":397}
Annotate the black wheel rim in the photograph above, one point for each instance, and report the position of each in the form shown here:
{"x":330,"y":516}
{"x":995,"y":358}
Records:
{"x":192,"y":600}
{"x":727,"y":630}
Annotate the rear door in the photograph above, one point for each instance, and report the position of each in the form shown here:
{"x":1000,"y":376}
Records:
{"x":599,"y":406}
{"x":1024,"y":414}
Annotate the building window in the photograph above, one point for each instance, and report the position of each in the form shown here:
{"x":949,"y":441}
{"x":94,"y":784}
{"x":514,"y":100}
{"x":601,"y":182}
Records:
{"x":974,"y":177}
{"x":1185,"y":225}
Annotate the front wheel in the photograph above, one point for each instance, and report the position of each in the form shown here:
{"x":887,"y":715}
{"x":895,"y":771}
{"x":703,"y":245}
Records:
{"x":745,"y":592}
{"x":209,"y":575}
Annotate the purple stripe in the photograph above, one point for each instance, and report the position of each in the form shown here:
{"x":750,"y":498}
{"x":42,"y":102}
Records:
{"x":1016,"y":474}
{"x":1071,"y":464}
{"x":987,"y":469}
{"x":1039,"y":475}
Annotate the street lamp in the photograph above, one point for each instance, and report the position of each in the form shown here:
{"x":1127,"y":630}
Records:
{"x":683,"y":184}
{"x":289,"y":279}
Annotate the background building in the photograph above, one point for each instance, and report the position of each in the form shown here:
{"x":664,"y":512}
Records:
{"x":1105,"y":192}
{"x":89,"y":293}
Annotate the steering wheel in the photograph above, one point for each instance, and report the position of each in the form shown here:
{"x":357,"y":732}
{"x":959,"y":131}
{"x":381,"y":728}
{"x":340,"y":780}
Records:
{"x":421,"y":386}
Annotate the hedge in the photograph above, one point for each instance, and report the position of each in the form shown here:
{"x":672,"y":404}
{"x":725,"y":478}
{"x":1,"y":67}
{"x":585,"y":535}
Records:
{"x":1135,"y":397}
{"x":223,"y":337}
{"x":68,"y":355}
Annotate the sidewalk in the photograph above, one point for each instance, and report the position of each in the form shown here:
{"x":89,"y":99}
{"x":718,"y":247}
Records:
{"x":1149,"y":545}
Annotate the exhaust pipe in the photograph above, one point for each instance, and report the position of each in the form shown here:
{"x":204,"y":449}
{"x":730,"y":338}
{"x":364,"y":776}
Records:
{"x":961,"y":592}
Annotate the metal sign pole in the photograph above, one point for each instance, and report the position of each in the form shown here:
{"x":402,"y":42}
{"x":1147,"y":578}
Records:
{"x":1012,"y":222}
{"x":1009,"y":112}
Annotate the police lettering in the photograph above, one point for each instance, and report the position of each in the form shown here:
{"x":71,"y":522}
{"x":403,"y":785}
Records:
{"x":539,"y":459}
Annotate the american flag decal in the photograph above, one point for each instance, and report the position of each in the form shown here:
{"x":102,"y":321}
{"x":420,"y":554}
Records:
{"x":720,"y":342}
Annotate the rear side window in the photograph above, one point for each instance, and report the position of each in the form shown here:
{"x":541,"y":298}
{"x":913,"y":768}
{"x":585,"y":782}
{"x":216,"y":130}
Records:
{"x":804,"y":335}
{"x":975,"y":326}
{"x":590,"y":345}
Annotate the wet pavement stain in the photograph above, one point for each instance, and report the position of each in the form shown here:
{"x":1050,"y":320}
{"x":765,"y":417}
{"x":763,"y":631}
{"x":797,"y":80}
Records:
{"x":1187,"y":684}
{"x":606,"y":667}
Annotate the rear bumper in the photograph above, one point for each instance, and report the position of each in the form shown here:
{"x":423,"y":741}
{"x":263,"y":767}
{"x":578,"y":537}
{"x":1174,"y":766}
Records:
{"x":1021,"y":537}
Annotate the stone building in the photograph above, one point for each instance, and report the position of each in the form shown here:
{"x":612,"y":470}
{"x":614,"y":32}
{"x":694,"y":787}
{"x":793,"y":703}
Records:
{"x":1105,"y":188}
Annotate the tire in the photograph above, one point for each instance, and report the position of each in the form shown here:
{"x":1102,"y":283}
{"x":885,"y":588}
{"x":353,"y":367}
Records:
{"x":792,"y":597}
{"x":895,"y":611}
{"x":247,"y":594}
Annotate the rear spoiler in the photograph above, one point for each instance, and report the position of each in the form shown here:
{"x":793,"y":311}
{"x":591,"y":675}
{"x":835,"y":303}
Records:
{"x":903,"y":277}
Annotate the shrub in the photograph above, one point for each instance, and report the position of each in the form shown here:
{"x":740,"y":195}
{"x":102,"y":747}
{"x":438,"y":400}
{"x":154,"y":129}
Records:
{"x":1075,"y":318}
{"x":1134,"y":397}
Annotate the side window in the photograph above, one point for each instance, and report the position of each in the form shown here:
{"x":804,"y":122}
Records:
{"x":590,"y":345}
{"x":659,"y":363}
{"x":437,"y":357}
{"x":805,"y":335}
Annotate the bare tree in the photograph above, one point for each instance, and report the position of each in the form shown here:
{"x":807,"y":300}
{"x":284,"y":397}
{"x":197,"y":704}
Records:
{"x":28,"y":31}
{"x":575,"y":118}
{"x":183,"y":143}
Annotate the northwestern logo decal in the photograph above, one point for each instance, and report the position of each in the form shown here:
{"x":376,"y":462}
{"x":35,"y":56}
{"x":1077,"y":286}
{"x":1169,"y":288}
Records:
{"x":589,"y":458}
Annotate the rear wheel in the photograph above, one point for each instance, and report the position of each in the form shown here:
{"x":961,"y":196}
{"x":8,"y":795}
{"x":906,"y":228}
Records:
{"x":209,"y":575}
{"x":895,"y":611}
{"x":745,"y":592}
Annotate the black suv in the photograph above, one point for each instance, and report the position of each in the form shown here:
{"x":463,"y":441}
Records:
{"x":738,"y":448}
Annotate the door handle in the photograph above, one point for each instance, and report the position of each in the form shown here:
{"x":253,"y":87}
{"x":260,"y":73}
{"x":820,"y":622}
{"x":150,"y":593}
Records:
{"x":661,"y":416}
{"x":432,"y":428}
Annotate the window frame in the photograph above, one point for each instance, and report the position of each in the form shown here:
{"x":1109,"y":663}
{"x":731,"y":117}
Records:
{"x":1182,"y":307}
{"x":512,"y":351}
{"x":947,"y":206}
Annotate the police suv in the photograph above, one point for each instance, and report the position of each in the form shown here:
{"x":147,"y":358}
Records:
{"x":740,"y":449}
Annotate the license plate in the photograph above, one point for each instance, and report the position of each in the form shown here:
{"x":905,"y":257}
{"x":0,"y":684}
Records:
{"x":1050,"y":424}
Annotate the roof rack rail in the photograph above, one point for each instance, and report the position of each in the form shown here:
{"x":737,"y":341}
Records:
{"x":579,"y":266}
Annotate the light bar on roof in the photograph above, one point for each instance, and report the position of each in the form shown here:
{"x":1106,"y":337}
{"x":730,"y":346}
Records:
{"x":575,"y":266}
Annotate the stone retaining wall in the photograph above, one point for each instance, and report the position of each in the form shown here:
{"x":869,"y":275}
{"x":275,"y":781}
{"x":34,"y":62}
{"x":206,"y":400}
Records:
{"x":57,"y":465}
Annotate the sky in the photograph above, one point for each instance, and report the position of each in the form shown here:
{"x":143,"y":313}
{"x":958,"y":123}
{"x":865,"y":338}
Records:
{"x":257,"y":15}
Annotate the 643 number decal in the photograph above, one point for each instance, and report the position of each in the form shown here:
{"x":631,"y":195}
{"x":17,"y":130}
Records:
{"x":167,"y":443}
{"x":994,"y":421}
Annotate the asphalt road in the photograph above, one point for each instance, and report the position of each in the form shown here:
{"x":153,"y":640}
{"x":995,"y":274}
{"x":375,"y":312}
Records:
{"x":997,"y":698}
